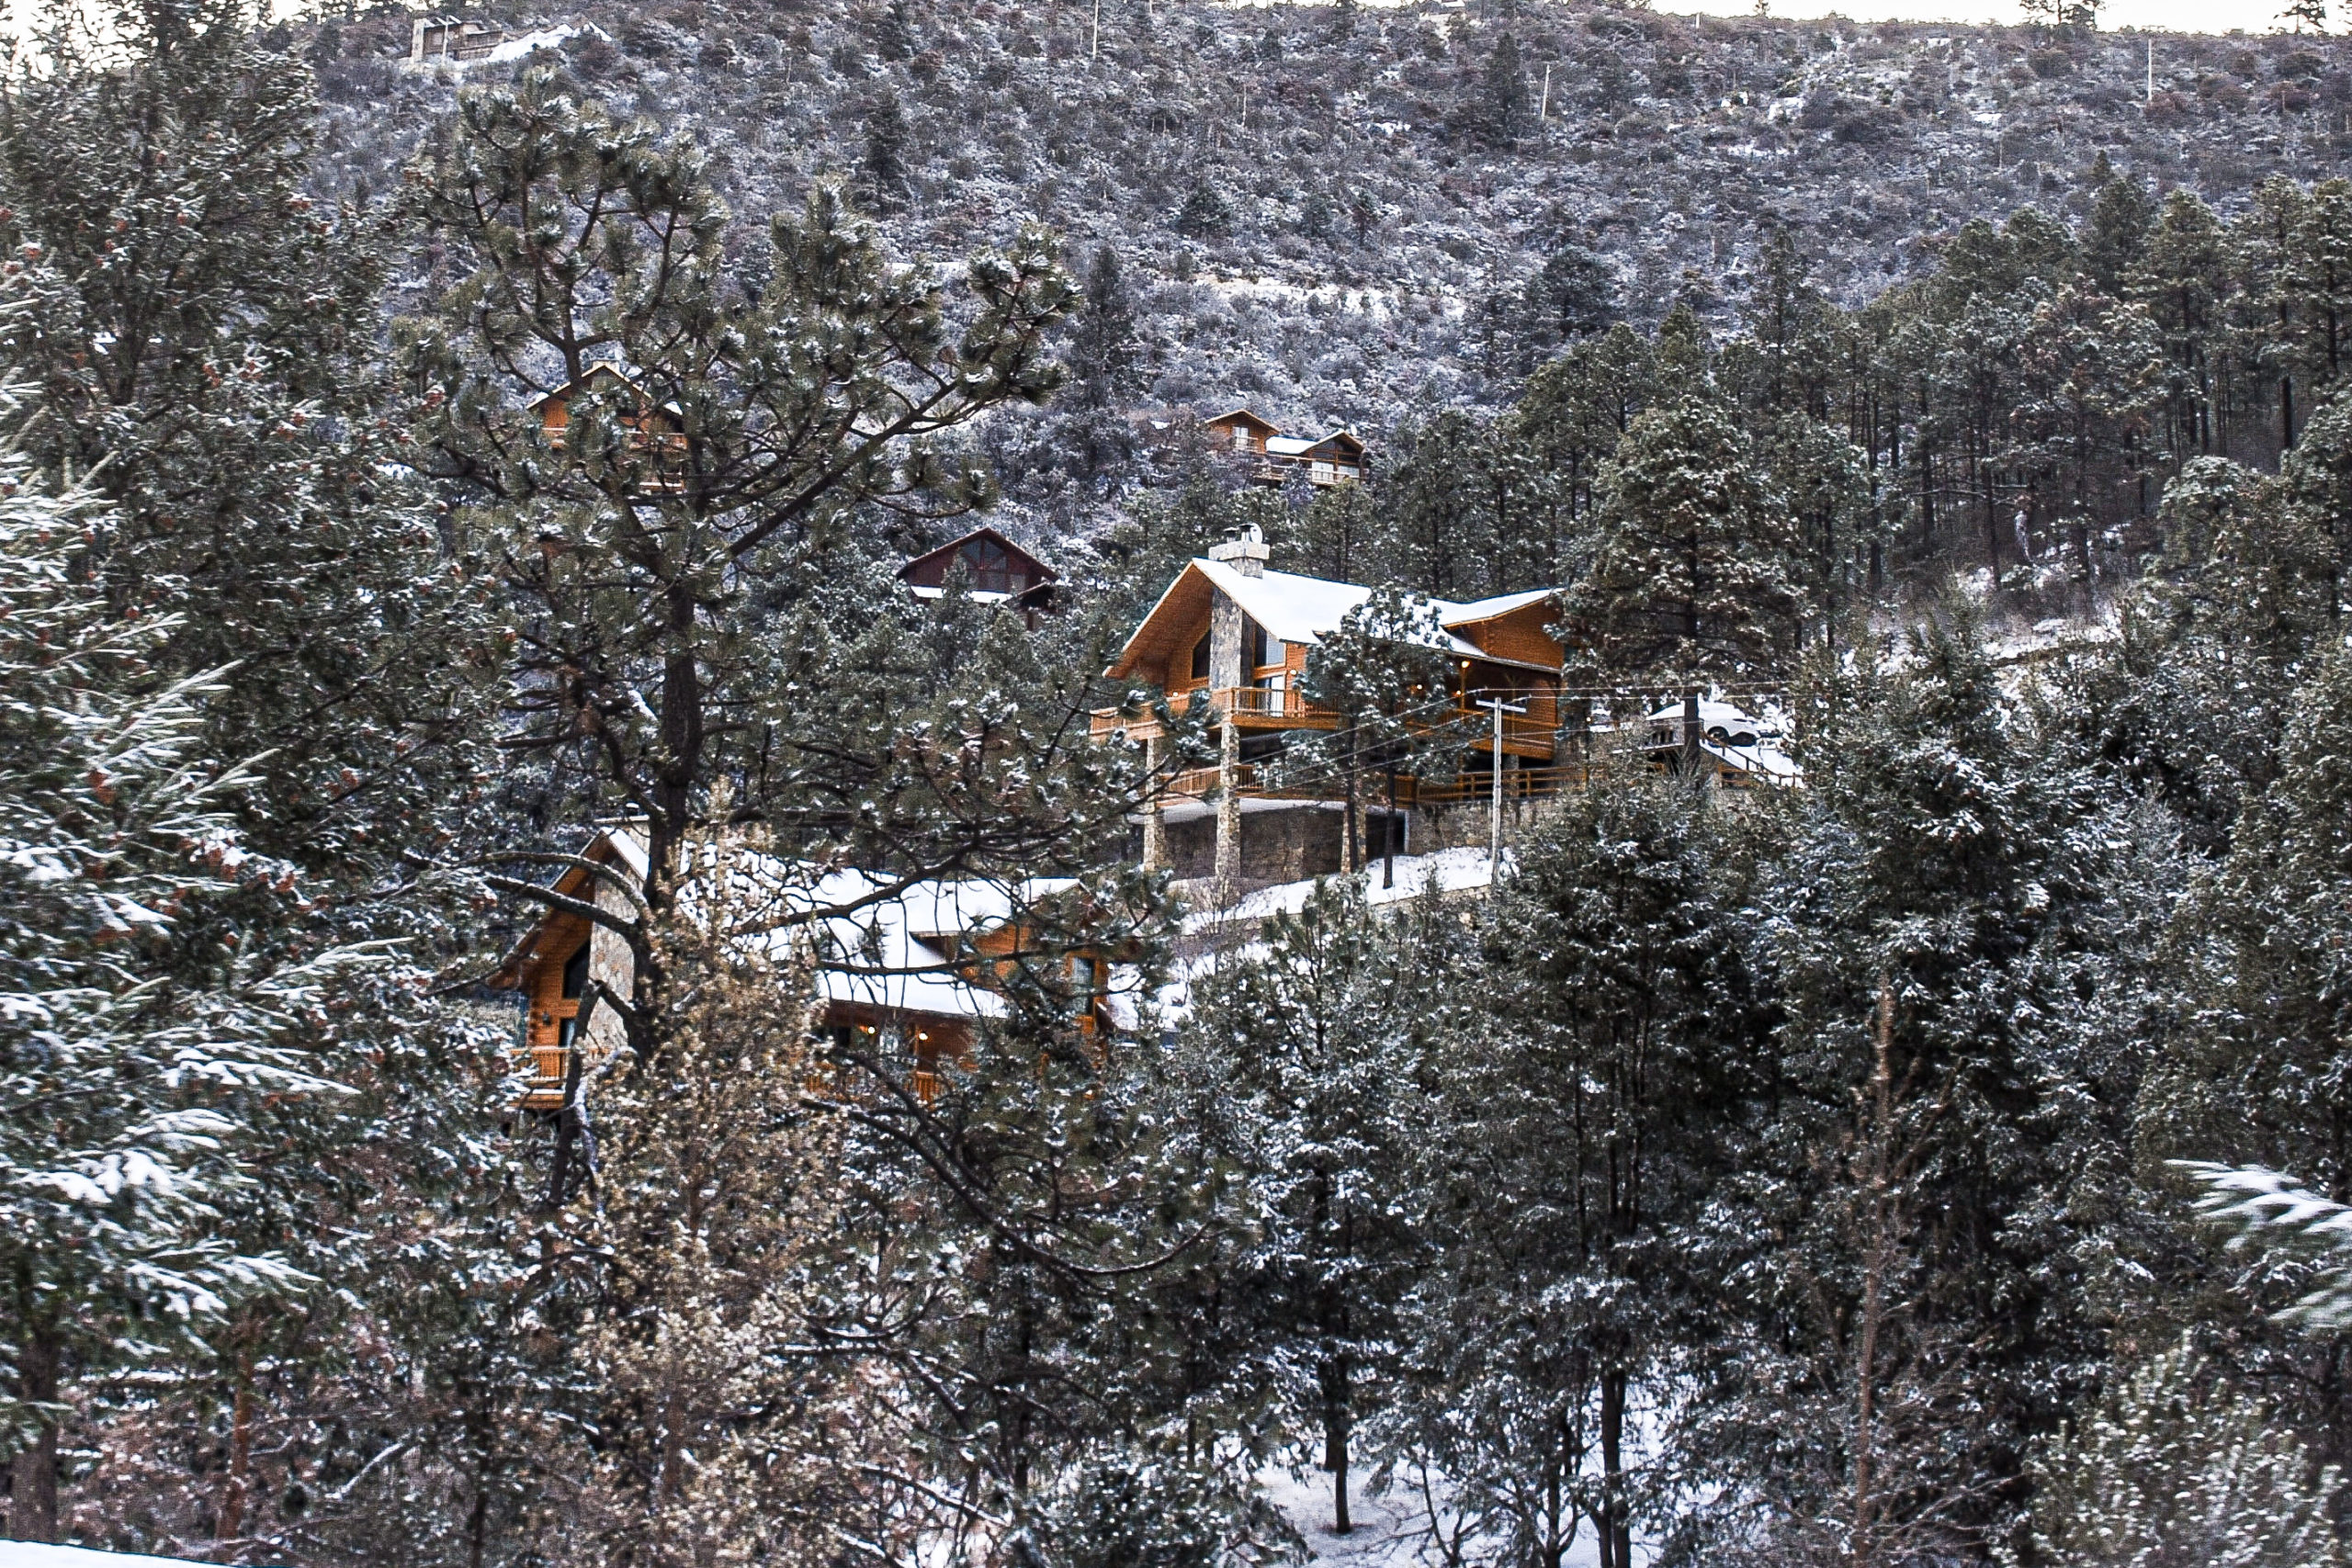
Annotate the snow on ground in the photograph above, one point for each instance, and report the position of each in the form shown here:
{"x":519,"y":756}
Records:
{"x":1386,"y":1528}
{"x":515,"y":49}
{"x":36,"y":1554}
{"x":1448,"y":871}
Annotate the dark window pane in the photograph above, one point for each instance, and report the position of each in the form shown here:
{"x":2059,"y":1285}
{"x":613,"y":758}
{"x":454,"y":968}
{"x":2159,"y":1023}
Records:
{"x":575,"y":973}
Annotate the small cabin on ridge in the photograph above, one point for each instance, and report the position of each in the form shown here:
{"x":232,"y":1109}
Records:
{"x":1332,"y":460}
{"x":996,"y":570}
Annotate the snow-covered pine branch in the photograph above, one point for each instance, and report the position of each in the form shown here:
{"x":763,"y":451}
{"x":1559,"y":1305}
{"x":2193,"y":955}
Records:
{"x":2263,"y":1206}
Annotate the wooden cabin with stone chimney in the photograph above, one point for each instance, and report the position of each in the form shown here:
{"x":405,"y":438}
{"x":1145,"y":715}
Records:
{"x":1232,"y":635}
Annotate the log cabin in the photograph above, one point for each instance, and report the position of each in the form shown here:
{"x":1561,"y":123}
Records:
{"x":656,"y":428}
{"x":1231,"y":635}
{"x":452,"y":38}
{"x":910,"y":975}
{"x":1272,"y":456}
{"x":996,"y":571}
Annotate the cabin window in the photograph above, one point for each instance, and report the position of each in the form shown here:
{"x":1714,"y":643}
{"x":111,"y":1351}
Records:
{"x":991,"y":567}
{"x":575,"y":974}
{"x":1265,"y":649}
{"x":1200,"y":658}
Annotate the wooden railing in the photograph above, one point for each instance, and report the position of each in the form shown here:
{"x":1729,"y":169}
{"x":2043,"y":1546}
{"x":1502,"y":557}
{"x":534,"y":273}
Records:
{"x":1518,"y":783}
{"x":1287,"y":708}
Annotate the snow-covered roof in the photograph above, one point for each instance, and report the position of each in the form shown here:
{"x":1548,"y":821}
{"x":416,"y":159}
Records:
{"x":891,"y":948}
{"x":1302,"y":609}
{"x":1288,"y":445}
{"x":1489,"y":609}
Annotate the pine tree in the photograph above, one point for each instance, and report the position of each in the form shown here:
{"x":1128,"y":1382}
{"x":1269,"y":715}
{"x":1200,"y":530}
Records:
{"x":228,"y":397}
{"x":132,"y":1095}
{"x":2183,"y":282}
{"x":1578,"y":1104}
{"x":1440,"y":531}
{"x":1204,"y":214}
{"x":2305,"y":15}
{"x":2087,"y":373}
{"x":2116,"y":235}
{"x":714,"y":1191}
{"x":1313,"y":1039}
{"x":2179,"y":1467}
{"x":1688,"y":578}
{"x":1819,"y":478}
{"x":882,"y":175}
{"x":1955,"y":1003}
{"x":2318,"y":278}
{"x":1382,"y":671}
{"x":1102,"y":346}
{"x":2268,"y":318}
{"x":1502,"y":111}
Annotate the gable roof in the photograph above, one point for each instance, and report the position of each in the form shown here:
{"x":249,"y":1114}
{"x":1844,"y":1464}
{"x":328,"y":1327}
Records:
{"x":1296,"y":609}
{"x":1493,"y":609}
{"x":1243,"y":416}
{"x":1043,"y":573}
{"x":598,"y":376}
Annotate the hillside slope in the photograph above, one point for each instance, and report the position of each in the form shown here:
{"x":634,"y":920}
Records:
{"x":1341,"y":214}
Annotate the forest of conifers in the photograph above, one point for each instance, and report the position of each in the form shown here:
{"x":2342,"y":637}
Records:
{"x":1944,"y":1161}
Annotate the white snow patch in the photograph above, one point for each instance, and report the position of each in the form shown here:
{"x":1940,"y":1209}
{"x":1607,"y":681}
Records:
{"x":1388,"y":1530}
{"x":1447,"y":871}
{"x":515,"y":49}
{"x":38,"y":1554}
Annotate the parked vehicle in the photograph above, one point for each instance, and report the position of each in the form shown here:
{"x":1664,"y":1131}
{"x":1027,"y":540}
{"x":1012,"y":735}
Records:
{"x":1719,"y":722}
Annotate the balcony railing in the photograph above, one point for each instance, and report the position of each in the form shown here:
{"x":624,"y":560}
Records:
{"x":1280,"y":708}
{"x":1372,"y":786}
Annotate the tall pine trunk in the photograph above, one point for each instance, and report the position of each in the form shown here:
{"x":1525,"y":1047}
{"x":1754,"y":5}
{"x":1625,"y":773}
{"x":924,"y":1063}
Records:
{"x":1336,"y":1424}
{"x":236,"y":1484}
{"x":32,"y":1493}
{"x":1615,"y":1526}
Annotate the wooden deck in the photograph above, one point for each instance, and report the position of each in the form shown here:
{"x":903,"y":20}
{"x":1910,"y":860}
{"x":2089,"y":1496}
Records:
{"x":1256,"y":708}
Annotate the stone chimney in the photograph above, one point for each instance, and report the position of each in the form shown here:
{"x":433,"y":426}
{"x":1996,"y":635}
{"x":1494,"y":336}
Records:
{"x":1246,"y":552}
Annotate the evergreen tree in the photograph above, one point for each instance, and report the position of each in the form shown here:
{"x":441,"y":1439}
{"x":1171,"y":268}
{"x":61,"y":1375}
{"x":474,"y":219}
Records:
{"x":882,"y":174}
{"x":1313,"y":1039}
{"x":2179,"y":1467}
{"x":2318,"y":276}
{"x":1206,"y":214}
{"x":1688,"y":573}
{"x":1946,"y":932}
{"x":1502,"y":107}
{"x":227,"y":396}
{"x":2183,"y":282}
{"x":132,"y":1096}
{"x":2117,"y":234}
{"x":1441,"y":502}
{"x":1383,"y":673}
{"x":1103,"y":344}
{"x":1819,"y":478}
{"x":2089,"y":374}
{"x":1578,"y":1106}
{"x":2305,"y":15}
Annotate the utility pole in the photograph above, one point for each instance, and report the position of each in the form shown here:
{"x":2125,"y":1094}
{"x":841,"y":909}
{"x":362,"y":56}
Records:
{"x":1094,"y":48}
{"x":1544,"y":105}
{"x":2152,"y":72}
{"x":1495,"y":842}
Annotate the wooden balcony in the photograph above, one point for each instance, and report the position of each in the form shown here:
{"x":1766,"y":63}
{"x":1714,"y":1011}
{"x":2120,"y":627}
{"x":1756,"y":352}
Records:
{"x":1284,"y":708}
{"x":1249,"y":783}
